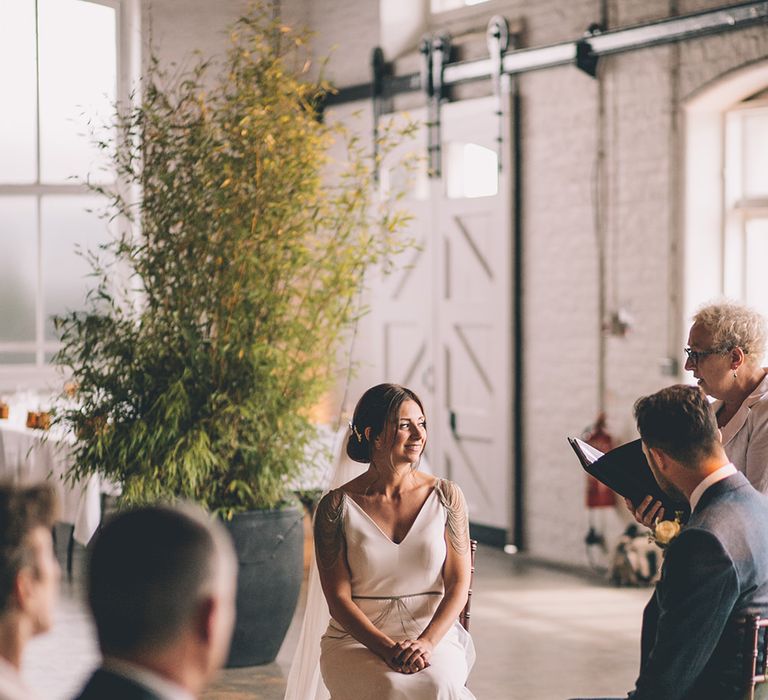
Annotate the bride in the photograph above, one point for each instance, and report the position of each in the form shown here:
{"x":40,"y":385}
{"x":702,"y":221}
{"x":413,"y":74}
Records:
{"x":392,"y":548}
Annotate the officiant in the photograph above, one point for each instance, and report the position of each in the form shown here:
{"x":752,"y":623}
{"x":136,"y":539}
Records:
{"x":726,"y":345}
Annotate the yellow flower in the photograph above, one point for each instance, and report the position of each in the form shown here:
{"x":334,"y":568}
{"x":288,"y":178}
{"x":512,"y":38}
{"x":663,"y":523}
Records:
{"x":665,"y":531}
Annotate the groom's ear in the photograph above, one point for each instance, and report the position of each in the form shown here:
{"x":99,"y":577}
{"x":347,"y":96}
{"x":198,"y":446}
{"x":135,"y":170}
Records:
{"x":661,"y":459}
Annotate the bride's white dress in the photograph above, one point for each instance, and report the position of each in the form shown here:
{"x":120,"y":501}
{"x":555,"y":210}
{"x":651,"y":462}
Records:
{"x":398,"y":587}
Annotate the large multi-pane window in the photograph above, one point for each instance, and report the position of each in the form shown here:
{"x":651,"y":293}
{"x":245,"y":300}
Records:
{"x":58,"y":72}
{"x":746,"y":203}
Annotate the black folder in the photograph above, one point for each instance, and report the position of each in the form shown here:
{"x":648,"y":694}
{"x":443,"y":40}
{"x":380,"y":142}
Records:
{"x":626,"y":471}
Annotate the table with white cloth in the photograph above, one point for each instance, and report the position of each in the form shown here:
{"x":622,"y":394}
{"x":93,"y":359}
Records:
{"x":29,"y":455}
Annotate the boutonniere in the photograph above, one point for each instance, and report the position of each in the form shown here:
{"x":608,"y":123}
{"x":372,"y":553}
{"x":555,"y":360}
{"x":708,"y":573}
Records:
{"x":666,"y":530}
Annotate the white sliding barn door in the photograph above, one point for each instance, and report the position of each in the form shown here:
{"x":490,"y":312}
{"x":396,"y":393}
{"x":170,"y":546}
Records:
{"x":472,"y":232}
{"x":402,"y":300}
{"x":444,"y":313}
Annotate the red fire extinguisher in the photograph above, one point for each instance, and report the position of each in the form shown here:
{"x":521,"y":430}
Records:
{"x":598,"y":494}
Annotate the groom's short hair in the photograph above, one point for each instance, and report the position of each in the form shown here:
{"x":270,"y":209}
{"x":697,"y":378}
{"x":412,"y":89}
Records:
{"x":679,"y":421}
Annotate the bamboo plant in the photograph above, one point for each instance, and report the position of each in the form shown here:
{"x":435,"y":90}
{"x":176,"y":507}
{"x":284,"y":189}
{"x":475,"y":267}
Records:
{"x":242,"y":260}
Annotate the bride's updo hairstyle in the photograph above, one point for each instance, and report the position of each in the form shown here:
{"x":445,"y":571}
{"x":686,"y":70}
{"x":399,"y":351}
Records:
{"x":377,"y":407}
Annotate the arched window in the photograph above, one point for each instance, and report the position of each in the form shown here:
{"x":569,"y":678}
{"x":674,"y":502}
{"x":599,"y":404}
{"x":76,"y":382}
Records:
{"x":726,"y":191}
{"x":746,"y":202}
{"x":59,"y":68}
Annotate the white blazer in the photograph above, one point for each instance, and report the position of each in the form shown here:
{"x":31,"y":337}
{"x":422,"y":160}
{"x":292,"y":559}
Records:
{"x":745,"y":436}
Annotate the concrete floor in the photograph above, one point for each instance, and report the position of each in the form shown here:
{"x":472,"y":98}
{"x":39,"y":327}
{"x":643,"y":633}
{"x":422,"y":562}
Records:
{"x":540,"y":634}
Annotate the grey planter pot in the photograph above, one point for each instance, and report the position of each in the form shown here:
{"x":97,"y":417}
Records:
{"x":270,"y":548}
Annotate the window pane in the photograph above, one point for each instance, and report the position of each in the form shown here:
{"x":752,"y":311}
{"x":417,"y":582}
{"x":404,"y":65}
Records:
{"x":755,"y":148}
{"x":18,"y":81}
{"x":17,"y":358}
{"x":77,"y":86}
{"x":18,"y":268}
{"x":68,"y":228}
{"x":756,"y":282}
{"x":470,"y":171}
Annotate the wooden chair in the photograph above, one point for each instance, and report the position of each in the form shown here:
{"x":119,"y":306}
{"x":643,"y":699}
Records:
{"x":465,"y":613}
{"x":755,"y":640}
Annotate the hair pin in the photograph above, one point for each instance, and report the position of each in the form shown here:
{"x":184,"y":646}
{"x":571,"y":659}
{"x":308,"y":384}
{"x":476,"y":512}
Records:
{"x":356,"y":432}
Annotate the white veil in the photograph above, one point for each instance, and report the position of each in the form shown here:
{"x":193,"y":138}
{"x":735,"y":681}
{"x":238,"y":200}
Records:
{"x":304,"y":680}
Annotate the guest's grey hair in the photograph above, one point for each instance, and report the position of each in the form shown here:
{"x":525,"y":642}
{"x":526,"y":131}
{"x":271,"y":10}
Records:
{"x":733,"y":324}
{"x":149,"y":570}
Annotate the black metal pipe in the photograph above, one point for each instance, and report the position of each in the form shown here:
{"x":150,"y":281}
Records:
{"x":656,"y":33}
{"x":518,"y":513}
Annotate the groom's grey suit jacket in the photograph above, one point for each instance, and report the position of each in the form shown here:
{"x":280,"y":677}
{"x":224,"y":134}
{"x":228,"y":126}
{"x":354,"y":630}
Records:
{"x":715,"y":573}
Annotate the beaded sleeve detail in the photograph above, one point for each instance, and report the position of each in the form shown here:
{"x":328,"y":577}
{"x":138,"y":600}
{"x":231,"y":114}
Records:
{"x":329,"y":528}
{"x":457,"y":521}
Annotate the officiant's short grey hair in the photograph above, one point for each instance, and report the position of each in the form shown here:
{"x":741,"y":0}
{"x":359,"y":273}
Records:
{"x":732,"y":325}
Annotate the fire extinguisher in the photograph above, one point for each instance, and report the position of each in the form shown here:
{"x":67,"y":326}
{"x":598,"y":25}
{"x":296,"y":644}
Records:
{"x":598,"y":494}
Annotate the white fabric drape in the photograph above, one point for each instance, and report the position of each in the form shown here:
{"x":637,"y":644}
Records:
{"x":304,"y":681}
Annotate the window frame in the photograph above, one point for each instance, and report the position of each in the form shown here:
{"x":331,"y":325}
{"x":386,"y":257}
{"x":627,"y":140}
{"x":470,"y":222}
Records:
{"x":42,"y":374}
{"x":700,"y":246}
{"x":738,"y":209}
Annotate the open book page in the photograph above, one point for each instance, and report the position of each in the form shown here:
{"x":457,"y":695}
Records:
{"x":590,"y":453}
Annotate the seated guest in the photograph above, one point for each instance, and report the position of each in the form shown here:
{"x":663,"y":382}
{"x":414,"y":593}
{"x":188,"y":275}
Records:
{"x":715,"y":571}
{"x":29,"y":577}
{"x":161,"y":586}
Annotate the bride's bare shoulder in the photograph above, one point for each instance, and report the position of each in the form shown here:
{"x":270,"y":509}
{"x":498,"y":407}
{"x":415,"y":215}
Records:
{"x":428,"y":480}
{"x":356,"y":486}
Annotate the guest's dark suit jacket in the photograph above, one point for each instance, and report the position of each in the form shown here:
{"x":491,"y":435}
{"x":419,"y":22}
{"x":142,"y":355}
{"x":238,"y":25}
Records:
{"x":715,"y":573}
{"x":105,"y":685}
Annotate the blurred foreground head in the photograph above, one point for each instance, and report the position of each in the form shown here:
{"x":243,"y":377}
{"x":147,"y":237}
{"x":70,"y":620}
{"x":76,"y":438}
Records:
{"x":161,"y":586}
{"x":29,"y":572}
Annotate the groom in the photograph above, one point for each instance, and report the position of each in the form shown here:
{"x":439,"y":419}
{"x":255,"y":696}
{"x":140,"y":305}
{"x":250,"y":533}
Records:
{"x":716,"y":571}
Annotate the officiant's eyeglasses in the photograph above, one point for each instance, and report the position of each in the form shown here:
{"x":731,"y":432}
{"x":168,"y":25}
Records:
{"x":695,"y":355}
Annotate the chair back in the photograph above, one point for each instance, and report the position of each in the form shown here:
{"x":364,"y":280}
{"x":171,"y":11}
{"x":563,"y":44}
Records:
{"x":465,"y":613}
{"x":756,"y":641}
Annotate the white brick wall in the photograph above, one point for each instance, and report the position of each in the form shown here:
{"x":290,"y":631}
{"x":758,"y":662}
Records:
{"x":345,"y":30}
{"x":560,"y":302}
{"x":179,"y":27}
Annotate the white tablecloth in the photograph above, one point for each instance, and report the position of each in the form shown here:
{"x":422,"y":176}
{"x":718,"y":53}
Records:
{"x":29,"y":456}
